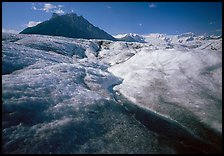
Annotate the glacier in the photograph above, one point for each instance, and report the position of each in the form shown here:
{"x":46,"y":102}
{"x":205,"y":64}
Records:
{"x":65,"y":95}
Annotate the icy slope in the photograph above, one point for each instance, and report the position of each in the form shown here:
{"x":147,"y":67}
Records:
{"x":55,"y":102}
{"x":185,"y":86}
{"x":57,"y":94}
{"x":118,"y":52}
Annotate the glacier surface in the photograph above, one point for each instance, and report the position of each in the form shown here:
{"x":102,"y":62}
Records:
{"x":58,"y":94}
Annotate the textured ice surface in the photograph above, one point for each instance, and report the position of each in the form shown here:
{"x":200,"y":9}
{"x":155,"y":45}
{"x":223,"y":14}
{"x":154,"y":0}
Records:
{"x":185,"y":86}
{"x":55,"y":103}
{"x":56,"y":93}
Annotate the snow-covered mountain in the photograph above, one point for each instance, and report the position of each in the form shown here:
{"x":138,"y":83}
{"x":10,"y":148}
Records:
{"x":131,"y":37}
{"x":187,"y":40}
{"x":65,"y":95}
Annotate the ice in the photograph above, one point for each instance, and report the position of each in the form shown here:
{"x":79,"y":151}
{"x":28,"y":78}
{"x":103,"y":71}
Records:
{"x":54,"y":103}
{"x":57,"y":94}
{"x":17,"y":57}
{"x":179,"y":85}
{"x":118,"y":52}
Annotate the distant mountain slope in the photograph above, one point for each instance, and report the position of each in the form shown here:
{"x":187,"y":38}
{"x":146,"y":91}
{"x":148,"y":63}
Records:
{"x":131,"y":37}
{"x":68,"y":25}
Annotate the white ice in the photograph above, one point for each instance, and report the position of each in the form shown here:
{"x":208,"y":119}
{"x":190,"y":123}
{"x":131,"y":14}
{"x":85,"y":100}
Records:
{"x":56,"y":95}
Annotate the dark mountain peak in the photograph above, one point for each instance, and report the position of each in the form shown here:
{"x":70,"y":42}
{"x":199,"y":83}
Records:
{"x":68,"y":25}
{"x":75,"y":16}
{"x":81,"y":17}
{"x":72,"y":15}
{"x":54,"y":15}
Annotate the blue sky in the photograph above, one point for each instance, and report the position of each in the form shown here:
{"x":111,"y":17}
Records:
{"x":122,"y":17}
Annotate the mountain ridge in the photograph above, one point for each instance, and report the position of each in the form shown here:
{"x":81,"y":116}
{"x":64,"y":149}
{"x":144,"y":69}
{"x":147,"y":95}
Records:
{"x":68,"y":25}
